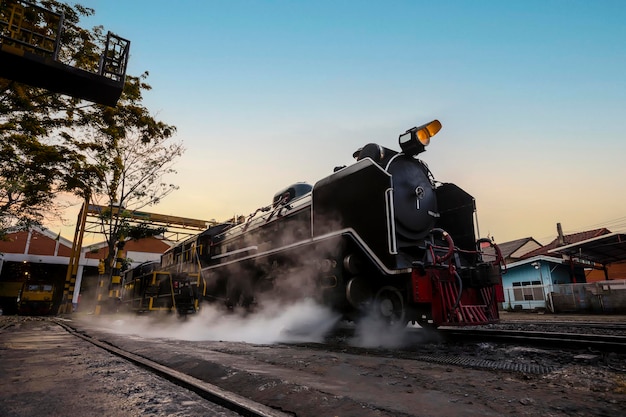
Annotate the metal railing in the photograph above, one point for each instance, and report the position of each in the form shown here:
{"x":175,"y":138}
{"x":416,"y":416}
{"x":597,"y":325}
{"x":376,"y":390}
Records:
{"x":114,"y":60}
{"x":28,"y":27}
{"x":598,"y":297}
{"x":32,"y":28}
{"x":594,"y":297}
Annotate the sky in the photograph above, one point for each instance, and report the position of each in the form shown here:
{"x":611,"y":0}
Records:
{"x":531,"y":96}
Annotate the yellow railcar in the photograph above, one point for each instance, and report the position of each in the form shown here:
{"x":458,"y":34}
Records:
{"x":37,"y":298}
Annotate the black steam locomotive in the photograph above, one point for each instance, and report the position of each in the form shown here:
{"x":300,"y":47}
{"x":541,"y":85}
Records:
{"x":380,"y":236}
{"x":148,"y":288}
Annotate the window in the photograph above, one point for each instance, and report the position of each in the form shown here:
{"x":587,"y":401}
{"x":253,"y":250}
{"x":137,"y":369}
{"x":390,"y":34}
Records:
{"x":528,"y":291}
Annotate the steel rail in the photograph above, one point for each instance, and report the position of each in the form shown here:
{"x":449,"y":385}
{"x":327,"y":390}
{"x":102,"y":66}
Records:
{"x":606,"y":343}
{"x":607,"y":325}
{"x":229,"y":400}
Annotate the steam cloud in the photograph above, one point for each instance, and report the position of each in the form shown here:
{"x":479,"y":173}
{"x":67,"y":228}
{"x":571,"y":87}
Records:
{"x":304,"y":321}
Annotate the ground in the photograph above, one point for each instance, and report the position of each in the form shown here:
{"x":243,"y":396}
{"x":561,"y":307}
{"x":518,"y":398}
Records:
{"x":47,"y":372}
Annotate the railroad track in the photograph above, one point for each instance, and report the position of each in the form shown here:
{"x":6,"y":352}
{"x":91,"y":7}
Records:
{"x":231,"y":401}
{"x":604,"y":343}
{"x":612,"y":327}
{"x":454,"y":356}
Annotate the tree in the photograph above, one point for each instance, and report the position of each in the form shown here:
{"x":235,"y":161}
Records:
{"x":132,"y":154}
{"x":40,"y":157}
{"x":51,"y":143}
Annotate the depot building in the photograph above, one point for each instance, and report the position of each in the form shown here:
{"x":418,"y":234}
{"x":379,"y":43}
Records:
{"x":39,"y":254}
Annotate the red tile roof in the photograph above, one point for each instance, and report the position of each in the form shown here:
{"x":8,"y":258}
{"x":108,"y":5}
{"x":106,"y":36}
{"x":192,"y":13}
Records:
{"x":568,"y":240}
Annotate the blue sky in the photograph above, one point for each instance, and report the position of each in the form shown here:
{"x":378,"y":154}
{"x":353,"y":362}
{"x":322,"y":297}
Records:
{"x":531,"y":95}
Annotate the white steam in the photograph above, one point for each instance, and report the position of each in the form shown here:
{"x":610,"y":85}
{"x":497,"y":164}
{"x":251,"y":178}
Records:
{"x":372,"y":331}
{"x":304,"y":321}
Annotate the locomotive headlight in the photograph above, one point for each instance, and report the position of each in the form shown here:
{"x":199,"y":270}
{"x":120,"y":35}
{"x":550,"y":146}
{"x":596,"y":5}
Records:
{"x":415,"y":140}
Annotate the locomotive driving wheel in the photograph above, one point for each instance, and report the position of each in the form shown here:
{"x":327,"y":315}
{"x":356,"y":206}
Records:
{"x":389,"y":306}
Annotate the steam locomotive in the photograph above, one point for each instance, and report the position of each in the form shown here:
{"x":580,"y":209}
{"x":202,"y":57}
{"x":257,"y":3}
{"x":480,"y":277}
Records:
{"x":379,"y":237}
{"x":148,"y":288}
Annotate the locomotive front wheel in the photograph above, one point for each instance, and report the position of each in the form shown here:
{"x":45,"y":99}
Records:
{"x":389,"y":306}
{"x":426,"y":322}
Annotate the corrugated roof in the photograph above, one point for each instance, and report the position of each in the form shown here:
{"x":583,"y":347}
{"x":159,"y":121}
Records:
{"x":568,"y":240}
{"x":604,"y":249}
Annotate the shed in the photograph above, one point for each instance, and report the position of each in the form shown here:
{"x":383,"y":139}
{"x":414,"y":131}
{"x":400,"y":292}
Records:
{"x":604,"y":250}
{"x":40,"y":252}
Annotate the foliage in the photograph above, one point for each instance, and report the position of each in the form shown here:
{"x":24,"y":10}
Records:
{"x":133,"y":154}
{"x":41,"y":148}
{"x":131,"y":150}
{"x":52,"y":144}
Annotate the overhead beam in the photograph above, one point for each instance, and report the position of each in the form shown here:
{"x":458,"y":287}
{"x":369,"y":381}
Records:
{"x":153,"y":218}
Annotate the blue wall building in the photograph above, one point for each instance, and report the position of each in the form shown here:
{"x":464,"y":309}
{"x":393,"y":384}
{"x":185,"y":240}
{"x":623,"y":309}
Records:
{"x":528,"y":283}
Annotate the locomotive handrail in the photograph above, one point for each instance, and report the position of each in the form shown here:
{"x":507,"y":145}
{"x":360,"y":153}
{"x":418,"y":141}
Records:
{"x":458,"y":298}
{"x":499,"y":258}
{"x":251,"y":216}
{"x":493,"y":245}
{"x":235,"y":252}
{"x":441,"y":259}
{"x":278,"y":206}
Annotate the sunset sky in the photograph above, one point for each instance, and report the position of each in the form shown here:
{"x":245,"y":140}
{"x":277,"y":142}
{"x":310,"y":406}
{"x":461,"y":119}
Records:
{"x":531,"y":96}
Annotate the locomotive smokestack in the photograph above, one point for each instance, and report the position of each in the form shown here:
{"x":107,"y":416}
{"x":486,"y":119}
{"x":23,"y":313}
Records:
{"x":560,"y":238}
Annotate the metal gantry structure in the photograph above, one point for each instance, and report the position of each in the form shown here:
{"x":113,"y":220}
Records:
{"x":90,"y":220}
{"x":30,"y":50}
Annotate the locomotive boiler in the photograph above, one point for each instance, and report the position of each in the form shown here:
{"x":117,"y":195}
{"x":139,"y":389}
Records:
{"x":379,"y":237}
